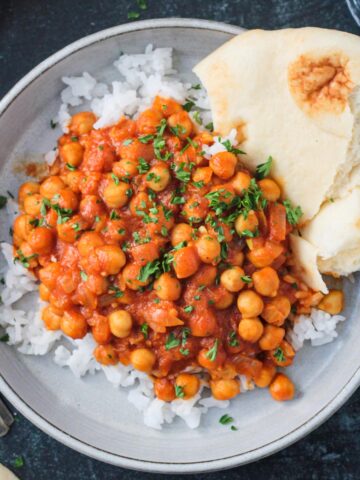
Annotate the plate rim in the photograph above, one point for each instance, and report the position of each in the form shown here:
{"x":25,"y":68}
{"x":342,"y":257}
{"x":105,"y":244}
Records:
{"x":136,"y":464}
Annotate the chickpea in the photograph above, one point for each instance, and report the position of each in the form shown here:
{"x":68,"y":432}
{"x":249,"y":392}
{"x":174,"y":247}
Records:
{"x":333,"y":302}
{"x":139,"y":203}
{"x":287,"y":354}
{"x":167,"y":106}
{"x":282,"y":388}
{"x":272,"y":337}
{"x":111,"y":259}
{"x":195,"y":209}
{"x":106,"y":354}
{"x":231,"y":279}
{"x":189,"y":385}
{"x":72,"y":153}
{"x":73,"y":324}
{"x":208,"y":249}
{"x":182,"y":120}
{"x":186,"y":262}
{"x":210,"y":363}
{"x":44,"y":292}
{"x":82,"y":122}
{"x":117,"y":194}
{"x":88,"y":242}
{"x":49,"y":275}
{"x":167,"y":287}
{"x":164,"y":389}
{"x":277,"y":310}
{"x":67,"y":199}
{"x":73,"y":181}
{"x":26,"y":190}
{"x":182,"y":232}
{"x":131,"y":275}
{"x":22,"y":228}
{"x":127,"y":168}
{"x":202,"y":174}
{"x":32,"y":204}
{"x":250,"y":304}
{"x":241,"y":182}
{"x":250,"y":223}
{"x":97,"y":284}
{"x":265,"y":255}
{"x":270,"y":189}
{"x":206,"y":275}
{"x":51,"y":319}
{"x":250,"y":329}
{"x":224,"y":300}
{"x":100,"y":329}
{"x":158,"y":178}
{"x":143,"y":359}
{"x":70,"y":231}
{"x":266,"y":282}
{"x":91,"y":206}
{"x":51,"y":186}
{"x":267,"y":373}
{"x":236,"y":258}
{"x":148,"y":121}
{"x":224,"y":389}
{"x":120,"y":323}
{"x":27,"y":251}
{"x":223,"y":164}
{"x":41,"y":240}
{"x":145,"y":253}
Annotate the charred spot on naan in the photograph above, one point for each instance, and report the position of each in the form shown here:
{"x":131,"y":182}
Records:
{"x":320,"y":84}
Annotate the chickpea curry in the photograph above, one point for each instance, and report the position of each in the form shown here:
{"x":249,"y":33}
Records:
{"x":176,"y":261}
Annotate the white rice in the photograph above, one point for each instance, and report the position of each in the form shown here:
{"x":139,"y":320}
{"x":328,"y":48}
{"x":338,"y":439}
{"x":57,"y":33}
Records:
{"x":141,"y":78}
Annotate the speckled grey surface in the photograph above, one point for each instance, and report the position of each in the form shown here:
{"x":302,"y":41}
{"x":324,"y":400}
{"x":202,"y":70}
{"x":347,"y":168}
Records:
{"x":31,"y":30}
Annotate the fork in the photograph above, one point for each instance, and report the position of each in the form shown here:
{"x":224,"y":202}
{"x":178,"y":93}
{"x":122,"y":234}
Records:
{"x":6,"y":419}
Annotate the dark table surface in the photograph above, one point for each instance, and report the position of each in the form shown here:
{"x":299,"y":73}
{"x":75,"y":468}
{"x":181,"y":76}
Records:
{"x":30,"y":31}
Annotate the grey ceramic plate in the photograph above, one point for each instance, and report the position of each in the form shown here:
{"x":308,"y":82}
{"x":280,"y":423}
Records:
{"x":89,"y":415}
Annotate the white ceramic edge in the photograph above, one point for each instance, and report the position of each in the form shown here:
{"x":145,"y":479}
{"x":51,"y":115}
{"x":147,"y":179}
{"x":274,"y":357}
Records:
{"x":193,"y":467}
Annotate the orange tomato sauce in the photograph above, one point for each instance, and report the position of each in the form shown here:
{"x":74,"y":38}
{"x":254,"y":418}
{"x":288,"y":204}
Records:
{"x":171,"y":260}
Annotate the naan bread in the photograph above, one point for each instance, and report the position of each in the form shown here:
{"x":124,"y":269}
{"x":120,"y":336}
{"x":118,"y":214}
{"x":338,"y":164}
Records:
{"x":5,"y":474}
{"x":335,"y":233}
{"x":292,"y":94}
{"x":305,"y":256}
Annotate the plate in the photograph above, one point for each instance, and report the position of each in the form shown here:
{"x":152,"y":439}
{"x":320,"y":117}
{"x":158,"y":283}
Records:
{"x":89,"y":415}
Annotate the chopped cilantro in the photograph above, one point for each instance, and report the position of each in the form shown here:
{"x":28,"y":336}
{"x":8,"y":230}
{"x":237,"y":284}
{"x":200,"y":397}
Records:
{"x":70,"y":167}
{"x":171,"y":342}
{"x":25,"y":261}
{"x":263,"y":169}
{"x":115,"y":178}
{"x":212,"y":353}
{"x":188,"y":308}
{"x":18,"y":462}
{"x":293,"y":214}
{"x":143,"y":166}
{"x":4,"y":338}
{"x":279,"y":355}
{"x":233,"y":341}
{"x":83,"y":276}
{"x":188,"y":105}
{"x":197,"y":117}
{"x":179,"y":391}
{"x":246,"y":279}
{"x":226,"y":419}
{"x":116,"y":291}
{"x":3,"y":201}
{"x":151,"y":268}
{"x":145,"y":330}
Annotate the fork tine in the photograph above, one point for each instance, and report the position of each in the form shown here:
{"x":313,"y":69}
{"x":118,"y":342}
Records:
{"x":5,"y":415}
{"x":3,"y":428}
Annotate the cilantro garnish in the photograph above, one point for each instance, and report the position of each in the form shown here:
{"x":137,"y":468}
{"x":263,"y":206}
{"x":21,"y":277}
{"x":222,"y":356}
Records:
{"x":263,"y":169}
